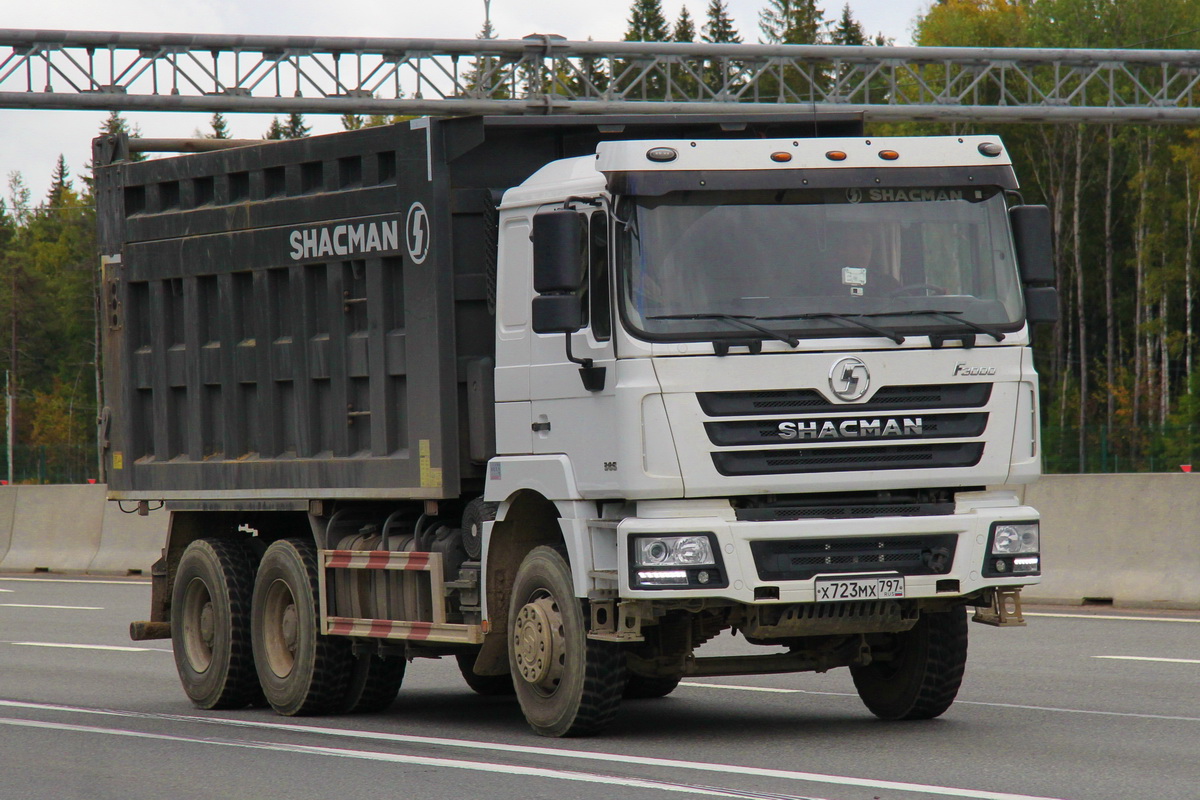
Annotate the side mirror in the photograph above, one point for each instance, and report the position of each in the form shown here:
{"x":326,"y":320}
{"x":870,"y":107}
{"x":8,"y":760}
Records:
{"x":1041,"y":304}
{"x":1031,"y":227}
{"x":559,"y":251}
{"x":557,"y":313}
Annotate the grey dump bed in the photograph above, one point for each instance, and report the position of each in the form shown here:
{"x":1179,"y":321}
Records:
{"x":310,"y":319}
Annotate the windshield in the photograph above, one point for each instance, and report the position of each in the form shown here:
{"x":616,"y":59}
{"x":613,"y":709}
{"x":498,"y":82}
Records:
{"x":804,"y":263}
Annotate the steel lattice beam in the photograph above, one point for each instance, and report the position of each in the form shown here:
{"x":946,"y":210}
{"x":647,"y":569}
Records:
{"x":546,"y":74}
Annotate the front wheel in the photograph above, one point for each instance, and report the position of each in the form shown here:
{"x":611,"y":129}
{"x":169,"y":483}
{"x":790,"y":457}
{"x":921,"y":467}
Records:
{"x":301,"y":671}
{"x":567,"y":684}
{"x":918,"y":673}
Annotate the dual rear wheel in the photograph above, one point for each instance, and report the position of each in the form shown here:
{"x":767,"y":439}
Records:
{"x":242,"y":633}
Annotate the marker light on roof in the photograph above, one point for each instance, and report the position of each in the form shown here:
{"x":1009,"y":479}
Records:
{"x":836,"y":155}
{"x":888,"y":155}
{"x":781,"y":156}
{"x":990,"y":149}
{"x":661,"y":154}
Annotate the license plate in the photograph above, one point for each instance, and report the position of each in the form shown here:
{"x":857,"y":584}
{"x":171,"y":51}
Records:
{"x":875,"y":587}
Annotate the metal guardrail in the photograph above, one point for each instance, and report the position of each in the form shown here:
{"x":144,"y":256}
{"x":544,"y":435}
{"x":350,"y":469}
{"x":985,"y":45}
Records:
{"x":548,"y":74}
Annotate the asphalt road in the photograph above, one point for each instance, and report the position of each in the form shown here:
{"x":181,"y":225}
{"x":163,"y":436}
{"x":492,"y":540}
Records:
{"x":1080,"y":705}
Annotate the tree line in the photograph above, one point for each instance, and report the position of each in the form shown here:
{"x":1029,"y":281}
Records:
{"x":1120,"y":390}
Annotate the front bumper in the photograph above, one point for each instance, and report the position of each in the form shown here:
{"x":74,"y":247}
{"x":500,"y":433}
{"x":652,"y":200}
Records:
{"x":742,"y":579}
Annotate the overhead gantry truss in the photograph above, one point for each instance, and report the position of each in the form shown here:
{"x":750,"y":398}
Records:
{"x":548,"y":74}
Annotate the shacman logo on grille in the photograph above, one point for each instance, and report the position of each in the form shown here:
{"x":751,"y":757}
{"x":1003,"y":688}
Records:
{"x":849,"y":379}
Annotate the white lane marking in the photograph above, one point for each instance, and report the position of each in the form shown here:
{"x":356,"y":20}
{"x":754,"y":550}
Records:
{"x":116,"y":648}
{"x":1111,"y":616}
{"x":6,"y":591}
{"x":397,"y":758}
{"x":130,"y":582}
{"x":1148,"y":658}
{"x":1165,"y":717}
{"x":60,"y":608}
{"x":620,"y":758}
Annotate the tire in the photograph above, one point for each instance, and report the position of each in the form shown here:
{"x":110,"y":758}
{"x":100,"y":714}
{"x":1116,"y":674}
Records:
{"x":475,"y":514}
{"x":641,"y":687}
{"x":373,"y":683}
{"x":301,"y":672}
{"x":922,"y":677}
{"x":567,"y":684}
{"x":486,"y":685}
{"x":210,"y":624}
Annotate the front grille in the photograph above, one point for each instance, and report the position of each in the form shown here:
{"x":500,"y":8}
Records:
{"x":810,"y":401}
{"x":802,"y":559}
{"x":916,"y":426}
{"x":840,"y":459}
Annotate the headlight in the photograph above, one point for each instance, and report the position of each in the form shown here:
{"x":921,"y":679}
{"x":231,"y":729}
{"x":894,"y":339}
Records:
{"x":678,"y":561}
{"x":1014,"y":549}
{"x":673,"y":551}
{"x":1014,"y":538}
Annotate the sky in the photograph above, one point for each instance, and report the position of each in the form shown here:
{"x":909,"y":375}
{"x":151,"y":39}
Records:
{"x":31,"y":141}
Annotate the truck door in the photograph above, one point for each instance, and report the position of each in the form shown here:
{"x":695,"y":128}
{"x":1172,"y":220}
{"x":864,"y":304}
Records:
{"x":567,"y":417}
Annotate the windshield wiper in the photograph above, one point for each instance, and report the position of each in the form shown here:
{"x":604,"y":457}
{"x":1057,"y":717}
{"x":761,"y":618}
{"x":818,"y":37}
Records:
{"x":853,"y":319}
{"x":740,"y":319}
{"x":948,"y":315}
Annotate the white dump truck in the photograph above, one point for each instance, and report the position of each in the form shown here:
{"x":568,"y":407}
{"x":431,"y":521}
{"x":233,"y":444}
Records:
{"x":560,"y":399}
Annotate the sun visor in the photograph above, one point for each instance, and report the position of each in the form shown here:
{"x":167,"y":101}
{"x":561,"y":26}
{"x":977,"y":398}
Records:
{"x":654,"y":183}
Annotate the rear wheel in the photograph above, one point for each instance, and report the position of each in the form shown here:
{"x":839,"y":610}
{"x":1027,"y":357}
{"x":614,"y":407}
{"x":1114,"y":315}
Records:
{"x":210,"y":623}
{"x":918,"y":674}
{"x":487,"y":685}
{"x":641,"y":687}
{"x":567,"y":684}
{"x":373,"y":683}
{"x":301,"y":671}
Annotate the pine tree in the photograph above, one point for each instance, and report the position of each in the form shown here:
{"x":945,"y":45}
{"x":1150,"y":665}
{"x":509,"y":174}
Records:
{"x":647,"y":23}
{"x":848,"y":30}
{"x":60,"y":184}
{"x":483,"y":69}
{"x":791,"y":22}
{"x":220,"y":130}
{"x":719,"y":27}
{"x":685,"y":28}
{"x":275,"y":131}
{"x":115,"y":125}
{"x":685,"y":75}
{"x":352,"y":122}
{"x":295,"y":128}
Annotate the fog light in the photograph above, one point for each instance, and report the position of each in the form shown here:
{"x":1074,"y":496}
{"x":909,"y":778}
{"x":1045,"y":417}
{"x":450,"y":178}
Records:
{"x":1000,"y":565}
{"x":702,"y":576}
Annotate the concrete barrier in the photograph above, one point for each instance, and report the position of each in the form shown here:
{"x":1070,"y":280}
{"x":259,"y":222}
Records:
{"x":73,"y":528}
{"x":129,"y":544}
{"x":8,"y":507}
{"x":55,"y":528}
{"x":1129,"y":540}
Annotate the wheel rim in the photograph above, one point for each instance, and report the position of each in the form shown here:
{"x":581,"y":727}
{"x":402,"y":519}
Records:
{"x":538,"y":643}
{"x":281,"y":623}
{"x":199,"y":627}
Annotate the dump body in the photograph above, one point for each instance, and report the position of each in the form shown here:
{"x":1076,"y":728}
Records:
{"x":310,"y":319}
